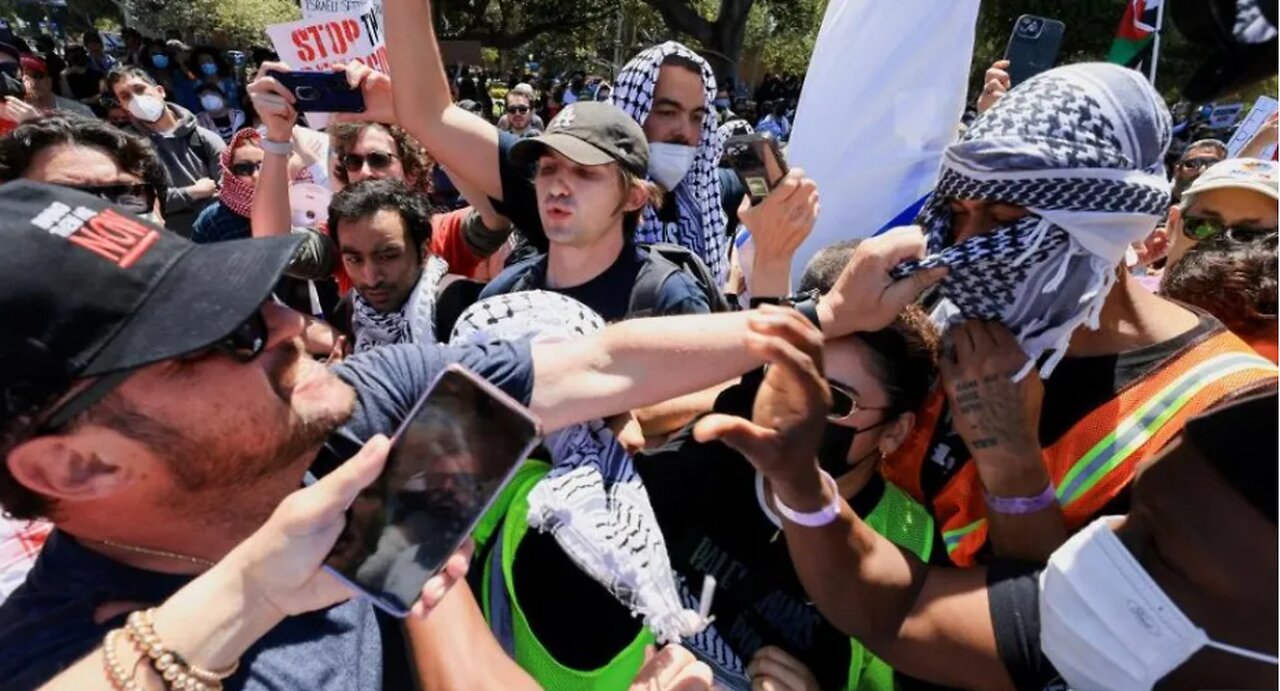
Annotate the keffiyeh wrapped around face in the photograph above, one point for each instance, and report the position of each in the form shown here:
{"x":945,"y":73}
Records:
{"x":1082,"y":149}
{"x":701,"y":227}
{"x":592,"y":501}
{"x":234,"y":192}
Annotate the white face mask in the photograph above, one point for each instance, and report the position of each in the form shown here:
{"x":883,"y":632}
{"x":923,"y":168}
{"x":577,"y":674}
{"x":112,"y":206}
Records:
{"x":668,"y":163}
{"x":211,"y":102}
{"x":146,"y":107}
{"x":1105,"y":624}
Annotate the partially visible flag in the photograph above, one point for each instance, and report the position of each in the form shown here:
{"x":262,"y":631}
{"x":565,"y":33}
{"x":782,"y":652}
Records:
{"x":1136,"y":35}
{"x":882,"y":99}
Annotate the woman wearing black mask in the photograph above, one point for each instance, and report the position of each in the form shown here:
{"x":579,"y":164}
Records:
{"x":718,"y":517}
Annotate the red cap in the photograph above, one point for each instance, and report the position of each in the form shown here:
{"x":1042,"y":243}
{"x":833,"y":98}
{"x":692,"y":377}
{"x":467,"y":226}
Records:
{"x":33,"y":63}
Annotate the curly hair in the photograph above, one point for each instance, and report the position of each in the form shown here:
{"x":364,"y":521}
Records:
{"x":418,"y":165}
{"x":368,"y":197}
{"x":1233,"y":281}
{"x":134,"y":154}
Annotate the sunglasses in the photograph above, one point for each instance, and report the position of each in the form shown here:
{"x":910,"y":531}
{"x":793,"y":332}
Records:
{"x":12,"y":69}
{"x":1199,"y":163}
{"x":243,"y":344}
{"x":518,"y":110}
{"x":377,"y":160}
{"x":844,"y":403}
{"x":136,"y":198}
{"x":1201,"y":229}
{"x":245,"y":169}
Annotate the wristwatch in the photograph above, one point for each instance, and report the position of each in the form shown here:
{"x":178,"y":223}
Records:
{"x":805,"y":303}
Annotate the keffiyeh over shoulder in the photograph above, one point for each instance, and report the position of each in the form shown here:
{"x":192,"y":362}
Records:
{"x":592,"y":501}
{"x":702,"y":221}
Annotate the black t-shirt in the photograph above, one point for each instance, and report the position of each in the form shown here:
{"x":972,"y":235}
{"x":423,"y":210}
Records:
{"x":709,"y":505}
{"x":1013,"y":592}
{"x":609,"y":294}
{"x":1077,"y":387}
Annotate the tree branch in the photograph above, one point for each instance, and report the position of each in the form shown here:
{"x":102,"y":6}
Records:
{"x":685,"y":18}
{"x":506,"y":41}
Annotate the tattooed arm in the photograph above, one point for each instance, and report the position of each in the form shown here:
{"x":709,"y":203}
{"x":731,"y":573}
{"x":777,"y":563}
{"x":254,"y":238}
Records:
{"x":999,"y":422}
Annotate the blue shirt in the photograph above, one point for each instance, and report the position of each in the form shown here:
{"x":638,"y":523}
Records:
{"x":47,"y":624}
{"x":217,"y":223}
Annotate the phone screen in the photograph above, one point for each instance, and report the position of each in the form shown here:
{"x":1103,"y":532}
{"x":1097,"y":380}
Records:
{"x":758,"y":163}
{"x":447,"y":463}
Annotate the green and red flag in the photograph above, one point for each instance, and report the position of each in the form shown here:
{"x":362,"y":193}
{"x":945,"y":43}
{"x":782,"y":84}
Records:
{"x":1136,"y":34}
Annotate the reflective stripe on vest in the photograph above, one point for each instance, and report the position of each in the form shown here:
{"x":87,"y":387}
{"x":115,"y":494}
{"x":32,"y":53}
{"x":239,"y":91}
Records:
{"x":1135,"y":430}
{"x":1144,"y":428}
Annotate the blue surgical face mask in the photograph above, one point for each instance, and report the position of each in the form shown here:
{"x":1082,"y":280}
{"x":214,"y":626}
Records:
{"x":208,"y":68}
{"x":722,"y":103}
{"x":160,"y":61}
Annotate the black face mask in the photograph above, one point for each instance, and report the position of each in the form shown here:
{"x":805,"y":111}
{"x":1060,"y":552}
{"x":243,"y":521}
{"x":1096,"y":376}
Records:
{"x":833,"y":454}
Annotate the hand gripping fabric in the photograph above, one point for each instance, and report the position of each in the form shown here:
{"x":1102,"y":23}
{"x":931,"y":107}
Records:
{"x":701,"y":227}
{"x":593,"y":501}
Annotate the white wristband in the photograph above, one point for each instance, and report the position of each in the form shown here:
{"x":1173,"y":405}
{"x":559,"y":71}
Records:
{"x":277,"y":148}
{"x":822,"y":517}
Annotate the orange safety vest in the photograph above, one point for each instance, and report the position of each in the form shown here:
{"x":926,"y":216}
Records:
{"x":1096,"y":459}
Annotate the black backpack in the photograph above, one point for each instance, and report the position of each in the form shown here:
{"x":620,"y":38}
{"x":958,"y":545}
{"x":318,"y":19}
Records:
{"x":664,"y":261}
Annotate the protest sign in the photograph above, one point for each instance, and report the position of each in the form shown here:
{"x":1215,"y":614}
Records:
{"x":319,"y":43}
{"x":1262,"y":109}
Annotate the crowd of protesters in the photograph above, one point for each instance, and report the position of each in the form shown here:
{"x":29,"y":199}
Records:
{"x":1028,"y":442}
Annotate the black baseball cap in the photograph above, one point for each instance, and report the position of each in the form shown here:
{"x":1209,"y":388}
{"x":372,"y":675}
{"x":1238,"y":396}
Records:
{"x":88,"y":290}
{"x":590,"y":134}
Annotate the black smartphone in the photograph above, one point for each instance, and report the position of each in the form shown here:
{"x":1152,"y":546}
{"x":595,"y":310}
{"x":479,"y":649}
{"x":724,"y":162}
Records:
{"x":758,"y":162}
{"x":321,"y":92}
{"x":1033,"y":47}
{"x":459,"y":446}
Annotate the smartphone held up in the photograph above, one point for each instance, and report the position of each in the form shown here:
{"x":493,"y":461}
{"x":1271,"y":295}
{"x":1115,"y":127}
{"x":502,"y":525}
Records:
{"x":758,"y":162}
{"x":457,"y":449}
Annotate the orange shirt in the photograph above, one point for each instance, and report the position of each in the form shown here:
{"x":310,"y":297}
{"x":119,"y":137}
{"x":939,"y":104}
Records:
{"x":447,"y":242}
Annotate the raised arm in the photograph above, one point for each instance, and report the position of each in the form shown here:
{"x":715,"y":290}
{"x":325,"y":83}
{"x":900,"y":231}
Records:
{"x":462,"y":142}
{"x":271,"y":214}
{"x":927,"y":622}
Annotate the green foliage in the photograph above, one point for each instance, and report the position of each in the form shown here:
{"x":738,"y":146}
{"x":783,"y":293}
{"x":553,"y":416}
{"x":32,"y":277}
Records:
{"x":240,"y":21}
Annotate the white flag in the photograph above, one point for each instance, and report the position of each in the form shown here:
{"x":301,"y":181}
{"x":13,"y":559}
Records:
{"x":882,"y":99}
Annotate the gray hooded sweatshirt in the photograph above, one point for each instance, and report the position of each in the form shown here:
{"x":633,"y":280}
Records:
{"x":189,"y":153}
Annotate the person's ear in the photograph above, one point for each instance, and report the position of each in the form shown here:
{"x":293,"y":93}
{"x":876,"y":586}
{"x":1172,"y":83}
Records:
{"x":1174,"y":224}
{"x":160,"y":90}
{"x":896,"y":432}
{"x":65,"y":468}
{"x":637,"y":196}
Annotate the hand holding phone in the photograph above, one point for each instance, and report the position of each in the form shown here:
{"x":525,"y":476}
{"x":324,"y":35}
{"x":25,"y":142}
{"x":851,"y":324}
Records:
{"x":456,"y":450}
{"x":320,"y":92}
{"x":758,"y":162}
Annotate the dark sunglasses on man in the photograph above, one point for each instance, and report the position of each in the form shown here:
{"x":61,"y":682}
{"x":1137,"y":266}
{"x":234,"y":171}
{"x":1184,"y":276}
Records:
{"x":518,"y":110}
{"x":136,"y":198}
{"x":377,"y":160}
{"x":1201,"y":229}
{"x":12,"y":69}
{"x":242,"y":345}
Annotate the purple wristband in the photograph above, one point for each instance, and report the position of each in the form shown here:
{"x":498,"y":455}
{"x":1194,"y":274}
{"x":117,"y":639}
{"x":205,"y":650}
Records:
{"x":1021,"y":506}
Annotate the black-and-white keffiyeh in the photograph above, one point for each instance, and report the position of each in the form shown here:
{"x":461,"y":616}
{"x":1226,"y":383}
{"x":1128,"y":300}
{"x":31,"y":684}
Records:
{"x":702,"y":221}
{"x":593,"y":501}
{"x":1082,"y":148}
{"x":414,"y":322}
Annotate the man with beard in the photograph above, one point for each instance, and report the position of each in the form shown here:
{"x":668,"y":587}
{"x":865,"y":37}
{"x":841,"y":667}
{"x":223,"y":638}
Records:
{"x":668,"y":89}
{"x":1033,"y":214}
{"x":157,"y":408}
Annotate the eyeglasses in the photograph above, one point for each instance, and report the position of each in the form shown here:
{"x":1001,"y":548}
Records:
{"x":377,"y":160}
{"x":243,"y":344}
{"x":245,"y":169}
{"x":136,"y":198}
{"x":844,"y":403}
{"x":518,"y":110}
{"x":1201,"y":229}
{"x":1199,"y":163}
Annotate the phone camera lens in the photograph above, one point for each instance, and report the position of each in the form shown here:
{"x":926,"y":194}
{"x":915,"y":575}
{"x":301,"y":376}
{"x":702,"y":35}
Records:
{"x":307,"y":93}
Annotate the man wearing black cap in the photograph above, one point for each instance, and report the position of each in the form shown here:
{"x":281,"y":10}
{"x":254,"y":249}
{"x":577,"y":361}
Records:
{"x":156,"y":406}
{"x":590,"y":184}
